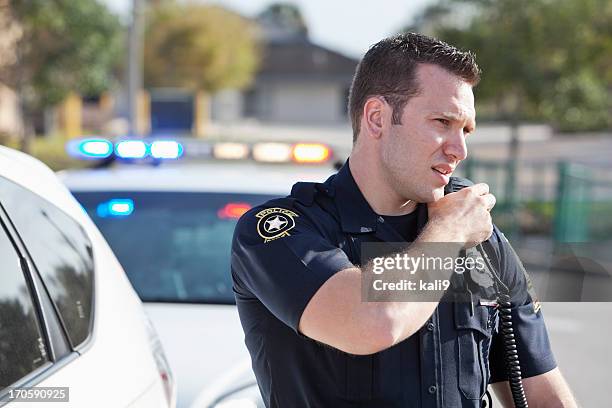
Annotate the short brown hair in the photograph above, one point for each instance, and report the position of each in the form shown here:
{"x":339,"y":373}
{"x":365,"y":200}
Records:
{"x":388,"y":69}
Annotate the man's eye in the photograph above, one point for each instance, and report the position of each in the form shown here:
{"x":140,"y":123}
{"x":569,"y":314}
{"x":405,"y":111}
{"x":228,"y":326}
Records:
{"x":445,"y":122}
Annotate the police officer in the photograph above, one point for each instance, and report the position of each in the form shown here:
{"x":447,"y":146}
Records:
{"x":296,"y":260}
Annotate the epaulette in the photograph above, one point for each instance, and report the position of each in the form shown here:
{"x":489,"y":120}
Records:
{"x":306,"y":192}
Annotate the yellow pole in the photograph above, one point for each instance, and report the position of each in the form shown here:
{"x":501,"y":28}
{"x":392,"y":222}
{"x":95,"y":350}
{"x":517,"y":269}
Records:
{"x":201,"y":113}
{"x":72,"y":109}
{"x":143,"y":113}
{"x":106,"y":102}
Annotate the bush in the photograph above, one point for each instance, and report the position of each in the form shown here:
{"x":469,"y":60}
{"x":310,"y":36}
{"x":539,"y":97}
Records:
{"x":52,"y":152}
{"x":579,"y":103}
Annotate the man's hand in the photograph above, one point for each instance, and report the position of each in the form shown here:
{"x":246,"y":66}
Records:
{"x":462,"y":216}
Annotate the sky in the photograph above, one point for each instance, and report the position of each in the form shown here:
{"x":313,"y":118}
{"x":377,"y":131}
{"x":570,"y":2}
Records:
{"x":336,"y":24}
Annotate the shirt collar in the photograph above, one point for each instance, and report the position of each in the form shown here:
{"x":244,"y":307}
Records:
{"x":356,"y":215}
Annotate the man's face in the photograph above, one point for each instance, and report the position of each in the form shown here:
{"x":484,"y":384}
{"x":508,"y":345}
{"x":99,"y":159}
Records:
{"x":419,"y":155}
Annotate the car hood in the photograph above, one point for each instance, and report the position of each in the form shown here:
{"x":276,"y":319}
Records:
{"x":203,"y":343}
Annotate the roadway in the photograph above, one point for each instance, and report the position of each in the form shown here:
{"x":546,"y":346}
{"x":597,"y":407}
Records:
{"x":580,"y":335}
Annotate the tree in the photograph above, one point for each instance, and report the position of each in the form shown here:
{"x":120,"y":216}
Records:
{"x":542,"y":60}
{"x":63,"y":46}
{"x":200,"y":47}
{"x":284,"y":18}
{"x":10,"y":32}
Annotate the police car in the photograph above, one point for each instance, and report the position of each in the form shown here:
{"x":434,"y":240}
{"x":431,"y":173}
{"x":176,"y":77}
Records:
{"x":72,"y":329}
{"x":168,"y":210}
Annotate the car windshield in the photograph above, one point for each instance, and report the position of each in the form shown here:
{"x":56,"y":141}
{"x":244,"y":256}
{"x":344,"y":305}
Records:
{"x":174,"y":246}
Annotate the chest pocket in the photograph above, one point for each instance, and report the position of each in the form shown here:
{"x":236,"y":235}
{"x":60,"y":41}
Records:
{"x":474,"y":333}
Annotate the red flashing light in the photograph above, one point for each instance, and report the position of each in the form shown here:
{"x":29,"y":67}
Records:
{"x":233,"y":210}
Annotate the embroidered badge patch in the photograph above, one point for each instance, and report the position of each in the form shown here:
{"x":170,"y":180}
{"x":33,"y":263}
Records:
{"x":275,"y":223}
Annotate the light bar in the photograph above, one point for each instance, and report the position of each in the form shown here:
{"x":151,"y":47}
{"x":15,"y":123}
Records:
{"x":131,"y":149}
{"x":233,"y":210}
{"x":93,"y":148}
{"x":231,"y":151}
{"x":166,"y":149}
{"x":310,"y":153}
{"x":197,"y":149}
{"x":117,"y":207}
{"x":272,"y":152}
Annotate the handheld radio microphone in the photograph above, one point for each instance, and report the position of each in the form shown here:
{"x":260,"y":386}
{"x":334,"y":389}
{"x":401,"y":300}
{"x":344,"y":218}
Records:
{"x":457,"y":183}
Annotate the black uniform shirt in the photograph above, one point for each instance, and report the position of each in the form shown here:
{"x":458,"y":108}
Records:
{"x":285,"y":250}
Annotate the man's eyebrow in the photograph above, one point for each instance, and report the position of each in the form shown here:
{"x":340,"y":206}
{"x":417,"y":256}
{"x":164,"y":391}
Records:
{"x":448,"y":115}
{"x":456,"y":117}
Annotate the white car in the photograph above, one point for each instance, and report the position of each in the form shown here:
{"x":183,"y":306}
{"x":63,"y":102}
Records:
{"x":69,"y":317}
{"x":171,"y":226}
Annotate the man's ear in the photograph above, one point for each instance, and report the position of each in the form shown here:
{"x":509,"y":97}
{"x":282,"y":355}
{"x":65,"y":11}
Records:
{"x":373,"y":115}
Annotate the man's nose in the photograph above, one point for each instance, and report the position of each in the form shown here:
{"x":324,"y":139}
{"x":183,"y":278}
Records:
{"x":455,"y":146}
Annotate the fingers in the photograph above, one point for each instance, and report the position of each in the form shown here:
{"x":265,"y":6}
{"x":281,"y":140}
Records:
{"x":479,"y":189}
{"x":490,"y":201}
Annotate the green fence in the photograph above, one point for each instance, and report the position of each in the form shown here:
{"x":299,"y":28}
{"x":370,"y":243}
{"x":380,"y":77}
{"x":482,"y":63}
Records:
{"x":569,"y":202}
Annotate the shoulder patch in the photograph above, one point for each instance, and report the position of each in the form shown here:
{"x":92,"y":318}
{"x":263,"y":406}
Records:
{"x":274,"y":223}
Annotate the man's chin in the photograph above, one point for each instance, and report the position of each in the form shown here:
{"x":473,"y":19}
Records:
{"x":431,"y":196}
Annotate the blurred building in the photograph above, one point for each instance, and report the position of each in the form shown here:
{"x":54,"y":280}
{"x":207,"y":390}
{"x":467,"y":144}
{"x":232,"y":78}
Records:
{"x":299,"y":82}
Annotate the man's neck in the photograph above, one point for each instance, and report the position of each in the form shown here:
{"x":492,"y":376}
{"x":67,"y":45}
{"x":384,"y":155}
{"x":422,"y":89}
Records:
{"x":375,"y":187}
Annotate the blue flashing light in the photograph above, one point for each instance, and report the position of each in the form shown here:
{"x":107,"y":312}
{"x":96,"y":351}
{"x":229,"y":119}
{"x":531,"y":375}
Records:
{"x":92,"y":148}
{"x":166,"y":149}
{"x":117,"y":207}
{"x":131,"y":149}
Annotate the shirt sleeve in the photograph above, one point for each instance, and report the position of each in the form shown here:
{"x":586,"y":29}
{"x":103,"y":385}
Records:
{"x":533,"y":346}
{"x":284,"y":272}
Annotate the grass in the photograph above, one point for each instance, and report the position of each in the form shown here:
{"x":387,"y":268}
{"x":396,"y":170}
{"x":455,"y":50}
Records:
{"x":49,"y":150}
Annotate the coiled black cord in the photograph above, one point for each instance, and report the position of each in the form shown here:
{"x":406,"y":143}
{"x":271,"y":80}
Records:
{"x":511,"y":357}
{"x":510,"y":352}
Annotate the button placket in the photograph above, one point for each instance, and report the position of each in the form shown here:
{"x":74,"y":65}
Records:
{"x":431,"y":363}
